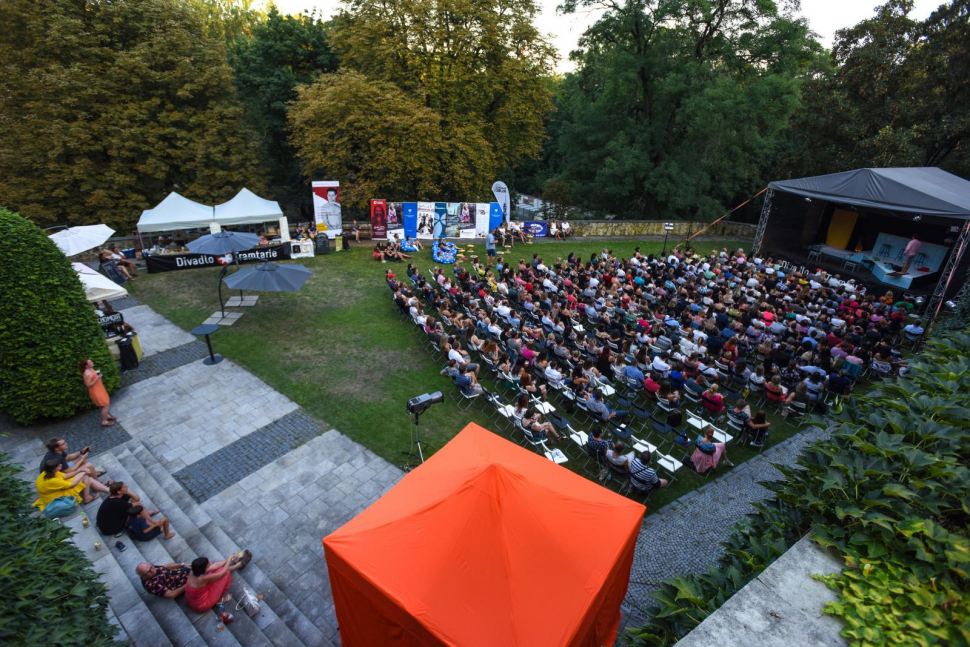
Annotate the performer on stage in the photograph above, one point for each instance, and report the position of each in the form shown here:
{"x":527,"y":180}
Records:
{"x":912,"y":249}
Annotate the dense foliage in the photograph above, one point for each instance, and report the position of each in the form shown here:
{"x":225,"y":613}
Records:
{"x":49,"y":593}
{"x":46,"y":327}
{"x":897,"y":96}
{"x":890,"y":491}
{"x":280,"y":53}
{"x":475,"y":69}
{"x":108,"y":106}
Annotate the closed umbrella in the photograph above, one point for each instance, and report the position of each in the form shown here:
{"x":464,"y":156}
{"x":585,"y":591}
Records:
{"x":75,"y":240}
{"x":97,"y":287}
{"x":269,"y":277}
{"x":225,"y":242}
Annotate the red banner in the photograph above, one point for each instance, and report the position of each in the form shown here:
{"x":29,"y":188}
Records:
{"x":378,"y":219}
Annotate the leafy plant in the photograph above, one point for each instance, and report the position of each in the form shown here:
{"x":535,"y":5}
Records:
{"x":889,"y":490}
{"x":46,"y":327}
{"x":49,"y":593}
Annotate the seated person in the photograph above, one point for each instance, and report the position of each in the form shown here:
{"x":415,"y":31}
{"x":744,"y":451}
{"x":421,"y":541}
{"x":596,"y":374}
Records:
{"x":643,"y":477}
{"x":52,"y":484}
{"x":113,"y":513}
{"x":142,"y":527}
{"x":532,"y":420}
{"x":712,"y":400}
{"x":166,"y":581}
{"x":468,"y":383}
{"x":758,"y":429}
{"x":124,"y":261}
{"x":70,"y":463}
{"x":619,"y":456}
{"x":596,"y":404}
{"x":595,"y":443}
{"x":208,"y":583}
{"x":708,"y":453}
{"x":355,"y":230}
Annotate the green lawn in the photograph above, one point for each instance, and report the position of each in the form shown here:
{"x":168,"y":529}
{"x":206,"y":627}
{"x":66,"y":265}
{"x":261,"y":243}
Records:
{"x":339,"y":349}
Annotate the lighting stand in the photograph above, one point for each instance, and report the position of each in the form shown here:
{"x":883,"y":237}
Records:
{"x":415,"y":420}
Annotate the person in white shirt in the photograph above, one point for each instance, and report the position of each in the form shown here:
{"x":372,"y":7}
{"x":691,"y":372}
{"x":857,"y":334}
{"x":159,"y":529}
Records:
{"x":619,"y":456}
{"x":660,"y":364}
{"x":565,"y":228}
{"x":493,"y":328}
{"x":456,"y":353}
{"x":549,"y":285}
{"x":503,"y":309}
{"x":553,"y":374}
{"x":554,"y":230}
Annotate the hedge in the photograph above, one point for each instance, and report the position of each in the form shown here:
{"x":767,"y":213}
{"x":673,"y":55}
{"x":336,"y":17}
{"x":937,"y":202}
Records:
{"x":46,"y":327}
{"x":890,"y":491}
{"x":49,"y":593}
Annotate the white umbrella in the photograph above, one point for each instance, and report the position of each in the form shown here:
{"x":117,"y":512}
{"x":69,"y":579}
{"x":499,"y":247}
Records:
{"x":97,"y":287}
{"x":75,"y":240}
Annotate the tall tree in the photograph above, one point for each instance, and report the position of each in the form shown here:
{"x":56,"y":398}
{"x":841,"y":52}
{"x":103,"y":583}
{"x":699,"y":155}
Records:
{"x":280,"y":53}
{"x":108,"y":106}
{"x":477,"y":66}
{"x":678,"y":102}
{"x":895,"y":95}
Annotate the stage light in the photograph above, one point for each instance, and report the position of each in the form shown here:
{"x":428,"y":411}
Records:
{"x":420,"y":403}
{"x":808,"y":199}
{"x":917,"y":217}
{"x":920,"y":301}
{"x":951,"y":305}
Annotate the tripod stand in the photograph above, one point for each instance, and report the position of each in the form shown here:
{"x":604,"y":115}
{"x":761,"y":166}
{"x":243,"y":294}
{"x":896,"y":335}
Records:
{"x":415,"y":442}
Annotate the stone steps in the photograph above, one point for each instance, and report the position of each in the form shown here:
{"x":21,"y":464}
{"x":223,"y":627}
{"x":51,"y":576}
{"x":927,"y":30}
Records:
{"x":280,"y":620}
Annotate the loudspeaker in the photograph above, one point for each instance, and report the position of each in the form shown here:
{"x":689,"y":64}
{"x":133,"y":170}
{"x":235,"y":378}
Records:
{"x":323,"y":244}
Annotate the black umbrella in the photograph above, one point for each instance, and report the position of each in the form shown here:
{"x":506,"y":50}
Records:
{"x":225,"y":242}
{"x":269,"y":277}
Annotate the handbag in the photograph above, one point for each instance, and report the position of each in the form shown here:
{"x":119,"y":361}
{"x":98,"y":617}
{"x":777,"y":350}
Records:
{"x":249,"y":602}
{"x":62,"y":506}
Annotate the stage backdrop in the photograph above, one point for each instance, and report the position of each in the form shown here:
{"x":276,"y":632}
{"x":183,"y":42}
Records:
{"x":840,"y":229}
{"x":326,"y":208}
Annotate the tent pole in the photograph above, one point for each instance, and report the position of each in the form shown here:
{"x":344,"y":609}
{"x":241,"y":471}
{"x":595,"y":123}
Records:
{"x":952,"y":263}
{"x":222,"y":275}
{"x":762,"y":223}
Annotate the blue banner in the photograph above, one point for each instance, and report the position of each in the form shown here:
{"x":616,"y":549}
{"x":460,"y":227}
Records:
{"x":537,"y":228}
{"x":440,"y":219}
{"x":411,"y":219}
{"x":495,"y":216}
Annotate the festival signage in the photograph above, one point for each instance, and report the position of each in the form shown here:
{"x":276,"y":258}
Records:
{"x":440,"y":219}
{"x":501,"y":193}
{"x":411,"y":219}
{"x":426,"y":220}
{"x":108,"y":321}
{"x":466,"y":220}
{"x":395,"y":220}
{"x":378,"y":219}
{"x":482,"y":220}
{"x":172,"y":262}
{"x":326,"y":208}
{"x":537,"y":228}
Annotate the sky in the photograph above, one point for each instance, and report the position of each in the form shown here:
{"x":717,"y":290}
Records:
{"x":825,"y":17}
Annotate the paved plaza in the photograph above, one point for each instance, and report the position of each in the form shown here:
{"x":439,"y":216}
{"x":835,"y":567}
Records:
{"x":235,"y":464}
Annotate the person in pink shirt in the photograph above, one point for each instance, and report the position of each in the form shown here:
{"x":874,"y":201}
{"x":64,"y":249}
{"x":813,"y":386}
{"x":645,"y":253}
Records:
{"x":912,"y":249}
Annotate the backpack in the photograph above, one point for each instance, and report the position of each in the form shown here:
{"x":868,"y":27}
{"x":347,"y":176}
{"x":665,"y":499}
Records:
{"x":62,"y":506}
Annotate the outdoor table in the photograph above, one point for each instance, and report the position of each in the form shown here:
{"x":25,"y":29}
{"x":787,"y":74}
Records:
{"x":208,"y":329}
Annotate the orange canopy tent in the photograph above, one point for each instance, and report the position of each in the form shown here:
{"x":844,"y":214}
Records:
{"x":486,"y":543}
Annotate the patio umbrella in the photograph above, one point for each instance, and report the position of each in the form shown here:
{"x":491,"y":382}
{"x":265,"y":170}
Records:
{"x":75,"y":240}
{"x":225,"y":242}
{"x":269,"y":277}
{"x":97,"y":287}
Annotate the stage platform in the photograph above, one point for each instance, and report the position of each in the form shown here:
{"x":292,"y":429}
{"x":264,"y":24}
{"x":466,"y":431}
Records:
{"x":883,"y":270}
{"x":834,"y":264}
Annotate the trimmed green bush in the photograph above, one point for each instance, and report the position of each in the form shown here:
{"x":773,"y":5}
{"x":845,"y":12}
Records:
{"x":46,"y":327}
{"x":49,"y":593}
{"x":890,"y":491}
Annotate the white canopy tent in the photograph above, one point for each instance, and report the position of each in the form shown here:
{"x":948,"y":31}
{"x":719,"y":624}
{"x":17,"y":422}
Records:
{"x":246,"y":208}
{"x":97,"y":287}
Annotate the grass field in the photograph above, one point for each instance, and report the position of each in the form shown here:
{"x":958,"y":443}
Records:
{"x":339,"y":349}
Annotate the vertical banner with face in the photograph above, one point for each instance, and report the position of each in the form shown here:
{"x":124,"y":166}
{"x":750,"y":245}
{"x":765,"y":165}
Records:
{"x":395,"y":220}
{"x":501,"y":193}
{"x":481,"y":220}
{"x":452,"y":227}
{"x":495,"y":216}
{"x":411,"y":219}
{"x":326,"y":208}
{"x":378,"y":219}
{"x":466,"y":220}
{"x":440,"y":219}
{"x":426,"y":220}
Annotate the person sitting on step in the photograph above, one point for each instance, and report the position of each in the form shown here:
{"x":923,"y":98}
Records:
{"x":208,"y":583}
{"x":113,"y":513}
{"x":166,"y":581}
{"x":141,"y":527}
{"x":70,"y":463}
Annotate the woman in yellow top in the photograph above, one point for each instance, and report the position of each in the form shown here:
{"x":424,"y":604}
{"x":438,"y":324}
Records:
{"x":51,"y":484}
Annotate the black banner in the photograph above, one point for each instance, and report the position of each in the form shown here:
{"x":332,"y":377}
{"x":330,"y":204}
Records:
{"x":172,"y":262}
{"x":109,"y":321}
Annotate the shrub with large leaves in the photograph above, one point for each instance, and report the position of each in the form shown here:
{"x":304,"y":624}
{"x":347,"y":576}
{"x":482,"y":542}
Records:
{"x":49,"y":593}
{"x":46,"y":327}
{"x":890,"y":491}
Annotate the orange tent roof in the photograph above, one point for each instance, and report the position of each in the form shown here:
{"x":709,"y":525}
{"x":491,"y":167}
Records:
{"x":487,"y":543}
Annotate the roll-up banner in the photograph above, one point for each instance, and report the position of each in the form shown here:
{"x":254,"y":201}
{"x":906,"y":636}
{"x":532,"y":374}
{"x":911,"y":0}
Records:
{"x":326,"y":208}
{"x":481,"y":220}
{"x":466,"y":220}
{"x":495,"y":216}
{"x":426,"y":220}
{"x":411,"y":219}
{"x":440,"y":219}
{"x":172,"y":262}
{"x":378,"y":219}
{"x":395,"y":220}
{"x":501,"y":193}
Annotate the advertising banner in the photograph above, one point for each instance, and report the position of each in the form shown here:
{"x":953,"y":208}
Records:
{"x":466,"y":220}
{"x":172,"y":262}
{"x":495,"y":216}
{"x":411,"y":219}
{"x":426,"y":220}
{"x":481,"y":220}
{"x":395,"y":220}
{"x":502,"y":196}
{"x":326,"y":208}
{"x":440,"y":219}
{"x":378,"y":219}
{"x":537,"y":228}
